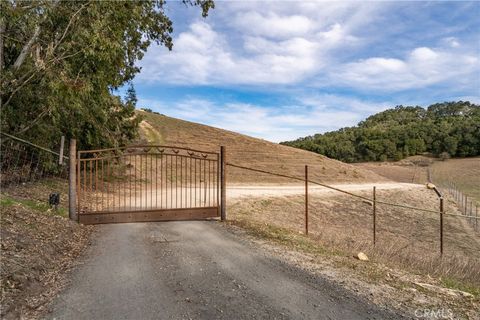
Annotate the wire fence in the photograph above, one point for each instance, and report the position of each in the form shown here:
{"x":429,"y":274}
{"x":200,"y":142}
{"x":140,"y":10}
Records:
{"x":468,"y":206}
{"x":22,"y":161}
{"x":438,"y":222}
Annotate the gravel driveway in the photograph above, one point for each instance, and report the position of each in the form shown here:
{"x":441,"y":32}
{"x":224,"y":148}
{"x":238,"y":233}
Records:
{"x":196,"y":270}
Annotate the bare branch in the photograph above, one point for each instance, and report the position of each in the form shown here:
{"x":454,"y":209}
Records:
{"x":26,"y":48}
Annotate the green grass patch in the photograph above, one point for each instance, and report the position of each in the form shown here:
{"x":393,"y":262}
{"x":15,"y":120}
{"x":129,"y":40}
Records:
{"x":285,"y":237}
{"x":7,"y":201}
{"x":462,"y":286}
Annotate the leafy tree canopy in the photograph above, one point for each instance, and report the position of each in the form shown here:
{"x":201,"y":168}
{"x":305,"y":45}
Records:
{"x":451,"y":128}
{"x":61,"y":60}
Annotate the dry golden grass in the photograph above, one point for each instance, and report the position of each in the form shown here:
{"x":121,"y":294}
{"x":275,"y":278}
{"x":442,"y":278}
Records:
{"x":250,"y":152}
{"x":464,"y":172}
{"x":405,"y":238}
{"x":409,"y":170}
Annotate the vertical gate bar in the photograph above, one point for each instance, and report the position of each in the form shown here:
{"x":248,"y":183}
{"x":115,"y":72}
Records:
{"x":145,"y":187}
{"x":185,"y":183}
{"x":91,"y":185}
{"x":130,"y":182}
{"x":108,"y":183}
{"x":72,"y":176}
{"x":217,"y":173}
{"x":195,"y":172}
{"x":140,"y":183}
{"x":151,"y":181}
{"x":190,"y":182}
{"x":223,"y":204}
{"x":176,"y":181}
{"x":306,"y":200}
{"x":156,"y":181}
{"x":171,"y":181}
{"x":209,"y":181}
{"x":204,"y":182}
{"x":136,"y":181}
{"x":96,"y":185}
{"x":161,"y":180}
{"x":374,"y":205}
{"x":103,"y":191}
{"x":181,"y":182}
{"x":123,"y":184}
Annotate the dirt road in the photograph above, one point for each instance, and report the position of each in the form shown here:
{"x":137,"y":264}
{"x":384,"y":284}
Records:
{"x":237,"y":191}
{"x":191,"y":197}
{"x":196,"y":270}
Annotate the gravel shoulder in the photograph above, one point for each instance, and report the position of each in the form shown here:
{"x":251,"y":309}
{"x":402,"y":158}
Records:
{"x":198,"y":270}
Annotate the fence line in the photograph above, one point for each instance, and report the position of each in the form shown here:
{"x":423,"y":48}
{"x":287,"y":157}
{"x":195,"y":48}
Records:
{"x":371,"y":201}
{"x":462,"y":201}
{"x":22,"y":161}
{"x":334,"y":188}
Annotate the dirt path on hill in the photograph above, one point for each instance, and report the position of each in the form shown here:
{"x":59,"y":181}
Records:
{"x":238,"y":191}
{"x":197,"y":270}
{"x":185,"y":197}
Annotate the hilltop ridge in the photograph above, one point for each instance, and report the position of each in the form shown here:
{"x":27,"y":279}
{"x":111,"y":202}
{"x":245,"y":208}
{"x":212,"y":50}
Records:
{"x":250,"y":152}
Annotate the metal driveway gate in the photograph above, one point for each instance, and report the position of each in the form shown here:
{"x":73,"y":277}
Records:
{"x":148,"y":183}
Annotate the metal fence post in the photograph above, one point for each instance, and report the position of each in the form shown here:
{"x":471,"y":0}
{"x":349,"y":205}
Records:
{"x":441,"y":226}
{"x":306,"y":199}
{"x":72,"y":184}
{"x":374,"y":216}
{"x":223,"y":185}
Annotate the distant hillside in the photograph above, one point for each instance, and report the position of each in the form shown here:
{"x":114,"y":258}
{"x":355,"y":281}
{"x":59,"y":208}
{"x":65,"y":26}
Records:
{"x":447,"y":129}
{"x":250,"y":152}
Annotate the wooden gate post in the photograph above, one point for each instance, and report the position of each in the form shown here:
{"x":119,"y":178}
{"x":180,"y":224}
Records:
{"x":306,"y":200}
{"x":223,"y":185}
{"x":72,"y":184}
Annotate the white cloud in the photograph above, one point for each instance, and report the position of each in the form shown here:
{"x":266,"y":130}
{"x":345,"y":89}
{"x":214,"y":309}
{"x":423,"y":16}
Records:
{"x":420,"y":68}
{"x":257,"y":43}
{"x":272,"y":25}
{"x":312,"y":114}
{"x":203,"y":56}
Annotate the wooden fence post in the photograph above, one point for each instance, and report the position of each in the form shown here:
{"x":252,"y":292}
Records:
{"x":374,"y":205}
{"x":306,"y":199}
{"x":72,"y":184}
{"x":223,"y":185}
{"x":476,"y":217}
{"x":441,"y":226}
{"x":62,"y":143}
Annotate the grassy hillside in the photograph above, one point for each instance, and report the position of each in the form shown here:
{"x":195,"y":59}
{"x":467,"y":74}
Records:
{"x":465,"y":173}
{"x":251,"y":152}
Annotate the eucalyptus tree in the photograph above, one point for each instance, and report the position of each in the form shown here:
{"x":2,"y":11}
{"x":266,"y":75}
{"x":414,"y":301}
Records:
{"x":62,"y":60}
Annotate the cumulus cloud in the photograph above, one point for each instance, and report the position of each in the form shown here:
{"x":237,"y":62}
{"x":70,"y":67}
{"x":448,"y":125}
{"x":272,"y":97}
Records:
{"x":257,"y":44}
{"x":308,"y":115}
{"x":421,"y":67}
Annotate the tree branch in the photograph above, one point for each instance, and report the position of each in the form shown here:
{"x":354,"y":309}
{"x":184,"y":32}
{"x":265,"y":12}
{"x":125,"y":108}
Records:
{"x":26,"y":48}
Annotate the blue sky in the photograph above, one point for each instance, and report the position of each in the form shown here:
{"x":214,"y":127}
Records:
{"x":286,"y":69}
